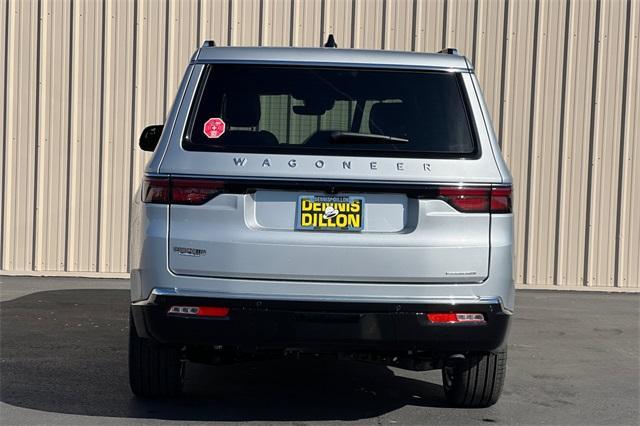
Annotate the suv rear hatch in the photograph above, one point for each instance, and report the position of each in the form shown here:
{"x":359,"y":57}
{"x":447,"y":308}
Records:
{"x":302,"y":173}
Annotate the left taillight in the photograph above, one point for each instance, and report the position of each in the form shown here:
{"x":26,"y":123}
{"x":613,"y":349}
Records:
{"x":155,"y":190}
{"x":180,"y":190}
{"x":194,"y":191}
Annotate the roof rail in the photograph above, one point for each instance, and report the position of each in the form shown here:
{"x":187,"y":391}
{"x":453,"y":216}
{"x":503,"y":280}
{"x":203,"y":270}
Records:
{"x":209,"y":43}
{"x":450,"y":51}
{"x":331,"y":42}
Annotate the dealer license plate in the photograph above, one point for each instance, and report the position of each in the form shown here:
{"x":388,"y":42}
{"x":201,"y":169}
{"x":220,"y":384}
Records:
{"x":330,"y":213}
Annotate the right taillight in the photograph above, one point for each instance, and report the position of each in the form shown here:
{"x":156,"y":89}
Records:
{"x":180,"y":190}
{"x":501,"y":199}
{"x":477,"y":199}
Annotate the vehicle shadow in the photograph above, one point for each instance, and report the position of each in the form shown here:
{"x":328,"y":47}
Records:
{"x":66,"y":352}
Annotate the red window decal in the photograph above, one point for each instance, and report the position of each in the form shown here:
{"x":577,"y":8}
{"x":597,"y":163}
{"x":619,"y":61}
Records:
{"x":214,"y":128}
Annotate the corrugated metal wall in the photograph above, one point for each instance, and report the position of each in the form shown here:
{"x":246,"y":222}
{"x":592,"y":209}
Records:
{"x":80,"y":79}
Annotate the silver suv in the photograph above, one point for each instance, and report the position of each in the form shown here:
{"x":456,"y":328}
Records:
{"x":324,"y":201}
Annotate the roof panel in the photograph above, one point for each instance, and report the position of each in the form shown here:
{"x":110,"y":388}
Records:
{"x":330,"y":57}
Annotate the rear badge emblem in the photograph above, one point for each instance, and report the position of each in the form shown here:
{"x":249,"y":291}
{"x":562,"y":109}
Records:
{"x":189,"y":251}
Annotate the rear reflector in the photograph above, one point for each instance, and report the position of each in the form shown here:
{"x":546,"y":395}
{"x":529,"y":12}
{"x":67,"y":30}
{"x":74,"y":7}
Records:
{"x":211,"y":311}
{"x":454,"y":318}
{"x":200,"y":311}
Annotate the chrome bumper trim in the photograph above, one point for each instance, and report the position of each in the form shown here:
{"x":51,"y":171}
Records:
{"x":164,"y":291}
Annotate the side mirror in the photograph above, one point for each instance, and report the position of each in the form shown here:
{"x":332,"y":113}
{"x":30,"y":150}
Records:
{"x":150,"y":137}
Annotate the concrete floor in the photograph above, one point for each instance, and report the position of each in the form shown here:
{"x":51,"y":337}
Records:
{"x":573,"y":359}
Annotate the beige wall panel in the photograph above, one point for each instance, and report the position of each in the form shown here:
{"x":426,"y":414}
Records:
{"x":246,"y":19}
{"x":117,"y":121}
{"x":95,"y":73}
{"x":214,"y":22}
{"x":543,"y":188}
{"x":575,"y":161}
{"x":429,"y":25}
{"x":53,"y":136}
{"x":368,"y":24}
{"x":150,"y":72}
{"x":86,"y":122}
{"x":4,"y":20}
{"x":460,"y":26}
{"x":306,"y":23}
{"x":399,"y":25}
{"x":182,"y":41}
{"x":338,"y":20}
{"x":276,"y":27}
{"x":629,"y":251}
{"x":606,"y":144}
{"x":517,"y":113}
{"x":488,"y":61}
{"x":20,"y":160}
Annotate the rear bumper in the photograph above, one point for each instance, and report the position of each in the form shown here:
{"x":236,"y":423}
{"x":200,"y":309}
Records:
{"x":321,"y":326}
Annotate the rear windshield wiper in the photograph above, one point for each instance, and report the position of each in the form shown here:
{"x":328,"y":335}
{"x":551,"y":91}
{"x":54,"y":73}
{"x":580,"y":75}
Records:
{"x":352,"y":137}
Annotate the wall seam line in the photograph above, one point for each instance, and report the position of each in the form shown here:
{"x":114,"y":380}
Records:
{"x":198,"y":19}
{"x":132,"y":148}
{"x":166,"y":60}
{"x":36,"y":159}
{"x":69,"y":135}
{"x":229,"y":22}
{"x":4,"y":132}
{"x":475,"y":32}
{"x":563,"y":97}
{"x":291,"y":25}
{"x":383,"y":31}
{"x":260,"y":22}
{"x":594,"y":98}
{"x":322,"y":5}
{"x":532,"y":111}
{"x":621,"y":162}
{"x":353,"y":24}
{"x":505,"y":38}
{"x":444,"y":24}
{"x":413,"y":25}
{"x":101,"y":138}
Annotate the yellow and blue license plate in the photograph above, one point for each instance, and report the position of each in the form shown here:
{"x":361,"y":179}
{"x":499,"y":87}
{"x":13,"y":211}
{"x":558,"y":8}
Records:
{"x":330,"y":213}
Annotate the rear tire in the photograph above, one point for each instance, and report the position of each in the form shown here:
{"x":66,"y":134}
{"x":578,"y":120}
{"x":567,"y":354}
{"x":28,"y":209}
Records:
{"x":475,"y":381}
{"x":155,"y":370}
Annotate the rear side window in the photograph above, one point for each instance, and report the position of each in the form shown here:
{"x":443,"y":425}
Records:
{"x":304,"y":110}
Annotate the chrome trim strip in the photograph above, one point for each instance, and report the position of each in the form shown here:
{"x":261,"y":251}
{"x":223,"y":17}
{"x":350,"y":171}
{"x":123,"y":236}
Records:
{"x":336,"y":181}
{"x":165,"y":291}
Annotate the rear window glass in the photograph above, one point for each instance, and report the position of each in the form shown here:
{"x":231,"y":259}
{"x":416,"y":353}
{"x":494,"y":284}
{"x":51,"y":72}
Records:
{"x":304,"y":110}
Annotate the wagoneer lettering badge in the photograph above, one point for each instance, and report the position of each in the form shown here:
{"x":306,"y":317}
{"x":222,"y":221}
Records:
{"x":344,"y":164}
